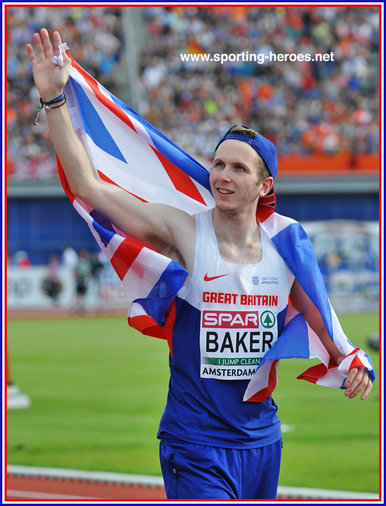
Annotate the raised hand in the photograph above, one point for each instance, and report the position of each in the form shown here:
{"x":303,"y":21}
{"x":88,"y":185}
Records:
{"x":49,"y":78}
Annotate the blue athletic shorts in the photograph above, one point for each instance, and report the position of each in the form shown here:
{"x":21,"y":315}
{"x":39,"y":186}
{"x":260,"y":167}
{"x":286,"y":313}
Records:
{"x":193,"y":471}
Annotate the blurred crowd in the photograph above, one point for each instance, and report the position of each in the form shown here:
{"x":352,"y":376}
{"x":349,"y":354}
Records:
{"x":95,"y":37}
{"x":304,"y":107}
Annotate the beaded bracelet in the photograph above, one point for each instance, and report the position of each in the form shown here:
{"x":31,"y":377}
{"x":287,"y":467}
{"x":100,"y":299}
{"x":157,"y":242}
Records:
{"x":50,"y":105}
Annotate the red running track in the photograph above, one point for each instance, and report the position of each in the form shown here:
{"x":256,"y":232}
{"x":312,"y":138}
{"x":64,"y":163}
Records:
{"x":20,"y":488}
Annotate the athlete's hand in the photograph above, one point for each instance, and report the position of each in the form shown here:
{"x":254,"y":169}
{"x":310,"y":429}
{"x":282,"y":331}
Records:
{"x":358,"y":379}
{"x":49,"y":78}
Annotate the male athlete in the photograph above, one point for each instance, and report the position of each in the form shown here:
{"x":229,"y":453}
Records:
{"x":213,"y":446}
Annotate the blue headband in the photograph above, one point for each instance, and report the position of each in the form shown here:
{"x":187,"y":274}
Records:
{"x":265,"y":148}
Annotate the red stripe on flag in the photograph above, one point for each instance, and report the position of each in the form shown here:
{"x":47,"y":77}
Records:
{"x":181,"y":181}
{"x":357,"y":362}
{"x":266,"y":206}
{"x":264,"y":393}
{"x":264,"y":212}
{"x":108,"y":180}
{"x":170,"y":319}
{"x":313,"y":373}
{"x":108,"y":103}
{"x":64,"y":181}
{"x":148,"y":326}
{"x":125,"y":255}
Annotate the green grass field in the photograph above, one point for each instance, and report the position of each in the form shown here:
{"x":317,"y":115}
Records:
{"x":98,"y":390}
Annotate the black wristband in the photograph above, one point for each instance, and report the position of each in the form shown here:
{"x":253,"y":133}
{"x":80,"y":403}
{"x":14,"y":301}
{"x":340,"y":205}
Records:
{"x":51,"y":103}
{"x":59,"y":101}
{"x":54,"y":100}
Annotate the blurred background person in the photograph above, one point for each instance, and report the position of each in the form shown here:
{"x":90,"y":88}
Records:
{"x":52,"y":285}
{"x":82,"y":277}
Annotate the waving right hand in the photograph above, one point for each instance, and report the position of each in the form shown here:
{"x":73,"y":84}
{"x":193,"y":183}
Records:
{"x":49,"y":78}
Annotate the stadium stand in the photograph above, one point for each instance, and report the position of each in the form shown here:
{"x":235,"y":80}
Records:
{"x":306,"y":108}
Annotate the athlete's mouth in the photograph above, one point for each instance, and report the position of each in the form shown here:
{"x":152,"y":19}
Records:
{"x":224,"y":191}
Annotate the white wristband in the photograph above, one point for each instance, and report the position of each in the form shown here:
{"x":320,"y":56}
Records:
{"x":58,"y":60}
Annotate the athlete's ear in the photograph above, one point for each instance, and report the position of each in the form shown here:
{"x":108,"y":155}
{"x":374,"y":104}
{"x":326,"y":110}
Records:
{"x":267,"y":185}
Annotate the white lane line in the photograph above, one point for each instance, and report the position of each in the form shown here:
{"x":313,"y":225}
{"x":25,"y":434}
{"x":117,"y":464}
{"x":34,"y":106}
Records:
{"x":43,"y":495}
{"x":74,"y":474}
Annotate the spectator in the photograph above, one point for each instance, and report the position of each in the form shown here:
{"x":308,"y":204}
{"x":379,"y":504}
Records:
{"x":82,"y":274}
{"x":20,"y":259}
{"x":96,"y":265}
{"x":69,"y":257}
{"x":52,"y":285}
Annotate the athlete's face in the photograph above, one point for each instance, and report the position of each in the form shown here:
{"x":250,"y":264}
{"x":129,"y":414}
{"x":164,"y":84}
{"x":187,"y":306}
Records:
{"x":235,"y":178}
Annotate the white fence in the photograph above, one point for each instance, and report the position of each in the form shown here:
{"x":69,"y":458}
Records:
{"x":348,"y":256}
{"x":25,"y":289}
{"x":347,"y":252}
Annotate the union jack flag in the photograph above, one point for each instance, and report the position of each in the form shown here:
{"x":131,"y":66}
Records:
{"x":297,"y":339}
{"x":127,"y":151}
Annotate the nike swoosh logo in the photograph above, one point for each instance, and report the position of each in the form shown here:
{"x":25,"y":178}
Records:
{"x":211,"y":278}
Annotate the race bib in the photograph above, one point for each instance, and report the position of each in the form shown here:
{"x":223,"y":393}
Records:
{"x":232,"y":343}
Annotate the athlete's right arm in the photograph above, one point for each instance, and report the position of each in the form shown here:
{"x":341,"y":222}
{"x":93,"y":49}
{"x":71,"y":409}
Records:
{"x":160,"y":226}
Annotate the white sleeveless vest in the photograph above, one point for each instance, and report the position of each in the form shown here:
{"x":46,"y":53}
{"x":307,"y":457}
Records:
{"x":239,"y":304}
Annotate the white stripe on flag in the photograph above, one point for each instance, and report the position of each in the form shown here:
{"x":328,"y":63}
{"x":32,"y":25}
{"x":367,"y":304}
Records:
{"x":112,"y":246}
{"x":340,"y":338}
{"x":334,"y":378}
{"x":141,"y":130}
{"x":259,"y":380}
{"x":291,"y":313}
{"x":144,"y":272}
{"x":276,"y":223}
{"x":82,"y":211}
{"x":317,"y":350}
{"x":136,"y":309}
{"x":105,"y":93}
{"x":115,"y":241}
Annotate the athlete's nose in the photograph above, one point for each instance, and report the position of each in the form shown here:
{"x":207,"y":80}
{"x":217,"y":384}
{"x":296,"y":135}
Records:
{"x":225,"y":174}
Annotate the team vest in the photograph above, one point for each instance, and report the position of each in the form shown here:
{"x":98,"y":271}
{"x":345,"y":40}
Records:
{"x":227,"y":317}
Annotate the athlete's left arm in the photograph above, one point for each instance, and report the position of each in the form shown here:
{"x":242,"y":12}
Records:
{"x":358,"y":378}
